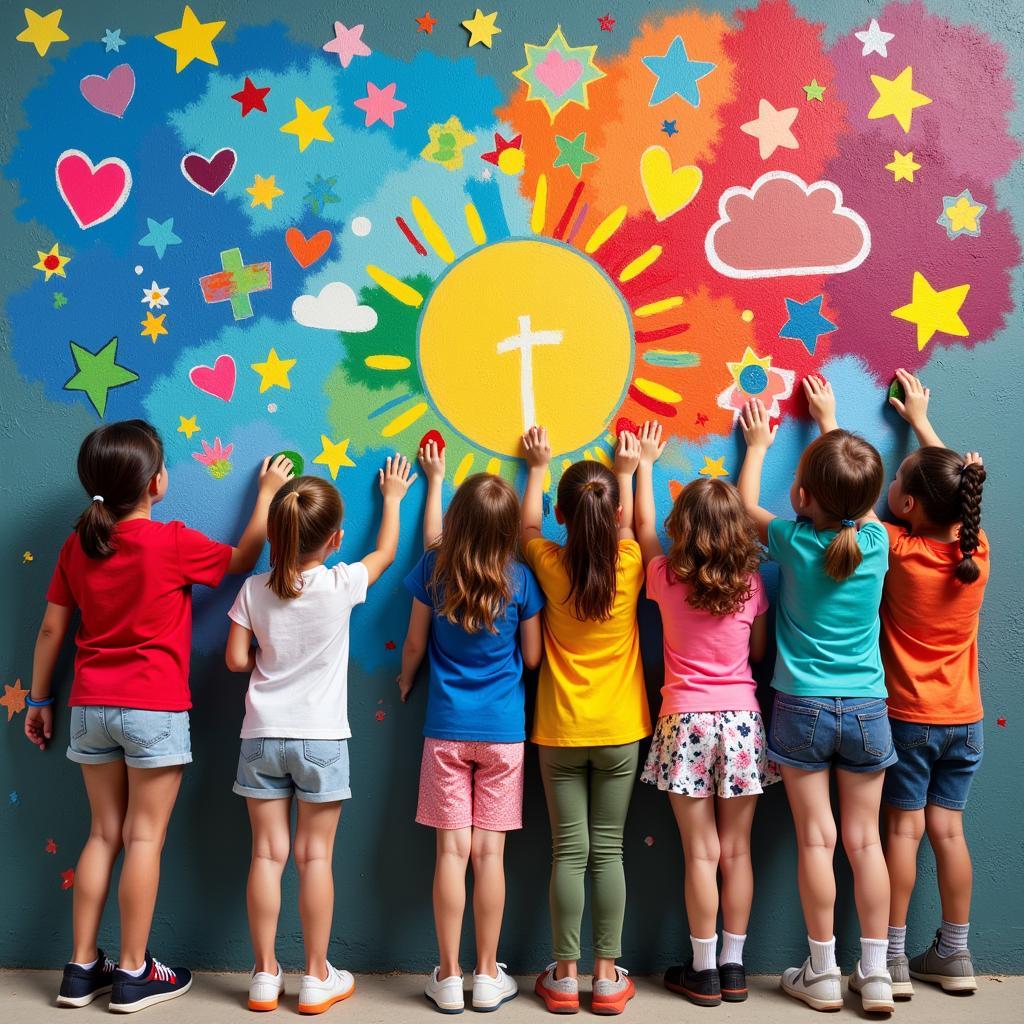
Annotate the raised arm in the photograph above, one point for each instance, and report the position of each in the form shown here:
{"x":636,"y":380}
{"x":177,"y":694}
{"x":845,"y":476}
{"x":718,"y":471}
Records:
{"x":537,"y":453}
{"x":246,"y":552}
{"x":759,"y":435}
{"x":627,"y":458}
{"x":914,"y":409}
{"x":821,"y":401}
{"x":415,"y":646}
{"x":432,"y":463}
{"x":644,"y":515}
{"x":39,"y":721}
{"x":394,"y":485}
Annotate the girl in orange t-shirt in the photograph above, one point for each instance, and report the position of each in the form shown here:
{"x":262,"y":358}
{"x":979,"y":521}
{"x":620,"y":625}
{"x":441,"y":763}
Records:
{"x":938,"y":568}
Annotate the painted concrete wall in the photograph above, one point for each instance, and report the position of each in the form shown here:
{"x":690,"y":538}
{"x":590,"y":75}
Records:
{"x":969,"y":67}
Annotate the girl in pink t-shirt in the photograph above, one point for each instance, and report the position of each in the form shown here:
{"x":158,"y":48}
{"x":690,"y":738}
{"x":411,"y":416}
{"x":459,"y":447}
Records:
{"x":709,"y":741}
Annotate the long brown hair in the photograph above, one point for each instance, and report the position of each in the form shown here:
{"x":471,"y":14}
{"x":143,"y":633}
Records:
{"x":588,"y":499}
{"x":115,"y":464}
{"x":303,"y":514}
{"x":481,"y":535}
{"x":844,"y":474}
{"x":715,"y":549}
{"x":949,"y":491}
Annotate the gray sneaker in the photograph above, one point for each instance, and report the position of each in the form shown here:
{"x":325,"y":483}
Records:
{"x":954,"y":973}
{"x":899,"y":971}
{"x":819,"y":991}
{"x":874,"y":989}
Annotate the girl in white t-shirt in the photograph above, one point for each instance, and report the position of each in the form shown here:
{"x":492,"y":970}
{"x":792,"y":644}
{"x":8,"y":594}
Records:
{"x":296,"y":717}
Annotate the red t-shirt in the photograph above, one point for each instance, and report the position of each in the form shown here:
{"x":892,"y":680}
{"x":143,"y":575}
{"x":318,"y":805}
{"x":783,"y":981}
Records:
{"x":135,"y":636}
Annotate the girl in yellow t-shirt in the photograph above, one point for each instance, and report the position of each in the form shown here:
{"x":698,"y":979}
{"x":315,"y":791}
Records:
{"x":591,"y":705}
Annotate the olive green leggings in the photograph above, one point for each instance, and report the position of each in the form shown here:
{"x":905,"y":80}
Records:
{"x":588,"y":791}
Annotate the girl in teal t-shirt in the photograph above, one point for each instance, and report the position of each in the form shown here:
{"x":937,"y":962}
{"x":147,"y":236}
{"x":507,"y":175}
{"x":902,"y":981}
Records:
{"x":829,"y":708}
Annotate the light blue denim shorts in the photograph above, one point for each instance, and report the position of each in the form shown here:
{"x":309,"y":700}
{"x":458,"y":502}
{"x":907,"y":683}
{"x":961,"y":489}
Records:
{"x":142,"y":739}
{"x":273,"y":767}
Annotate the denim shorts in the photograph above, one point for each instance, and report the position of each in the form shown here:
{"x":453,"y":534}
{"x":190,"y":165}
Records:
{"x":815,"y":733}
{"x":272,"y":768}
{"x":142,"y":739}
{"x":936,"y":765}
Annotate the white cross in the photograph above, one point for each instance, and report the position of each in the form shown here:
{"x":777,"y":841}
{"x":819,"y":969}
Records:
{"x":524,"y":342}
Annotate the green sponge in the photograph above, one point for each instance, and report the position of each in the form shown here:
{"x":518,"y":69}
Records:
{"x":896,"y":390}
{"x":297,"y":463}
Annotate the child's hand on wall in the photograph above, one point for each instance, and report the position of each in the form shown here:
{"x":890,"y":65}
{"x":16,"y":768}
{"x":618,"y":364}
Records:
{"x":973,"y":459}
{"x":39,"y":725}
{"x":431,"y":462}
{"x":627,"y":454}
{"x":274,"y":475}
{"x":395,"y":480}
{"x":651,"y":444}
{"x":821,"y":402}
{"x":756,"y":426}
{"x":914,"y":407}
{"x":537,"y":448}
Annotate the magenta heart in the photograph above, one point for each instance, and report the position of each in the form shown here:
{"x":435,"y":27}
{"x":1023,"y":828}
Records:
{"x":557,"y":73}
{"x":209,"y":175}
{"x":217,"y":380}
{"x":93,"y":193}
{"x":112,"y":94}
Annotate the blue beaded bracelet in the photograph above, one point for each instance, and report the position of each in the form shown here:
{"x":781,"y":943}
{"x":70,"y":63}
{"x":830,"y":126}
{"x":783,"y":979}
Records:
{"x":45,"y":703}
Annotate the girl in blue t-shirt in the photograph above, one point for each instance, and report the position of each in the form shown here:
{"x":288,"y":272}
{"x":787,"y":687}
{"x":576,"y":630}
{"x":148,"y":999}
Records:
{"x":829,"y":705}
{"x":476,"y":615}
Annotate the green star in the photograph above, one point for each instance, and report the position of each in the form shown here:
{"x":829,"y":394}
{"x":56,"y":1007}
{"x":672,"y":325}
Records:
{"x":572,"y":153}
{"x":815,"y":91}
{"x":97,"y":373}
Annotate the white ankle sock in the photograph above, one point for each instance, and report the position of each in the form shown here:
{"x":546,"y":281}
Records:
{"x":823,"y":955}
{"x":704,"y":953}
{"x":872,"y":954}
{"x":897,"y":942}
{"x":952,"y":938}
{"x":732,"y":948}
{"x":138,"y":972}
{"x":87,"y":967}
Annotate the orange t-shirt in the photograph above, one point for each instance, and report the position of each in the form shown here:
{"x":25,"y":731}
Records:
{"x":929,"y":636}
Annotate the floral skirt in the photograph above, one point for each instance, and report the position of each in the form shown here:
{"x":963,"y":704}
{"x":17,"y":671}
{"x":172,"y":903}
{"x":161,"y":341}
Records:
{"x":710,"y":753}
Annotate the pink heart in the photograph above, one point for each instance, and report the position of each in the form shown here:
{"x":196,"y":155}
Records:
{"x":217,"y":380}
{"x":208,"y":175}
{"x":112,"y":94}
{"x":558,"y":74}
{"x":93,"y":193}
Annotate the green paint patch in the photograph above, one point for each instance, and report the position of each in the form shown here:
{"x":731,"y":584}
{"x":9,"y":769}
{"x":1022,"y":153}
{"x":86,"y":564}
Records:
{"x":298,"y":463}
{"x":665,"y":357}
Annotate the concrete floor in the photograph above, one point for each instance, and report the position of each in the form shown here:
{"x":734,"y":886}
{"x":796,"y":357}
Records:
{"x":26,"y":997}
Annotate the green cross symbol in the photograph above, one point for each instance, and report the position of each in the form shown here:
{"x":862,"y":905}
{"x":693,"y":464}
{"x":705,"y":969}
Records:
{"x":236,"y":282}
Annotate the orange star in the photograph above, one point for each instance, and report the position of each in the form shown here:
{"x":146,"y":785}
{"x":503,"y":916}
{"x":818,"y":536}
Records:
{"x":426,"y":23}
{"x":13,"y":698}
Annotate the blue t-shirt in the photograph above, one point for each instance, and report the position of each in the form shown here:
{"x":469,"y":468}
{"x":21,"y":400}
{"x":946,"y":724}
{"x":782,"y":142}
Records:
{"x":476,"y":679}
{"x":826,"y":630}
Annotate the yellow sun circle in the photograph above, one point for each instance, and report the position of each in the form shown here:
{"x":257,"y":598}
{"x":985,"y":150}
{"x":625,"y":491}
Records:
{"x":511,"y":161}
{"x":747,"y":315}
{"x":525,"y":331}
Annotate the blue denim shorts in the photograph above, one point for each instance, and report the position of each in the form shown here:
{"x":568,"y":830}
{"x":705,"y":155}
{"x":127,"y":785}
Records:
{"x":272,"y":768}
{"x":815,"y":733}
{"x":936,"y":765}
{"x":142,"y":739}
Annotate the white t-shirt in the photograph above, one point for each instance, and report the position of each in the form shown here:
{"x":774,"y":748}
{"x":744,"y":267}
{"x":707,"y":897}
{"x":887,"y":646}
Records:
{"x":299,"y":687}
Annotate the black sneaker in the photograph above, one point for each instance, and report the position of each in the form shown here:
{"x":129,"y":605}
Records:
{"x":734,"y":982}
{"x":700,"y":987}
{"x":157,"y":984}
{"x":80,"y":986}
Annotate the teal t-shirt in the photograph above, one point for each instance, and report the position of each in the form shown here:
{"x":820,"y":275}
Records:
{"x":827,"y":631}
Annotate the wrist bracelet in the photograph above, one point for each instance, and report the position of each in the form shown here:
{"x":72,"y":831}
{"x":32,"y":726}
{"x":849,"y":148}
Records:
{"x":44,"y":703}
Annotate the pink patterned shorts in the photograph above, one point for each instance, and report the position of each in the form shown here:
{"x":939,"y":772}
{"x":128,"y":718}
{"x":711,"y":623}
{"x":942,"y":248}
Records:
{"x":465,"y":782}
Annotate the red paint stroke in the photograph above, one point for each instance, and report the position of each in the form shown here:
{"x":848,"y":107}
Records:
{"x":50,"y":847}
{"x":642,"y":337}
{"x":67,"y":878}
{"x":577,"y":223}
{"x":701,"y":419}
{"x":436,"y":437}
{"x":661,"y":408}
{"x":563,"y":221}
{"x":500,"y":145}
{"x":409,"y":236}
{"x":1001,"y":722}
{"x":380,"y":716}
{"x":624,"y":423}
{"x":390,"y":645}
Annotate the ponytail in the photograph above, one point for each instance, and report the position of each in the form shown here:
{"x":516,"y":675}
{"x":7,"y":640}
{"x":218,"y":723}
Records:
{"x":284,"y":560}
{"x":972,"y":480}
{"x":843,"y":554}
{"x":303,"y":515}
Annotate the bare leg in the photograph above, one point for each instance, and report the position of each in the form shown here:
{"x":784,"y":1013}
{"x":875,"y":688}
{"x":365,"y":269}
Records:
{"x":952,"y":862}
{"x":488,"y":855}
{"x":107,"y":788}
{"x":903,"y":832}
{"x":453,"y":851}
{"x":695,"y":818}
{"x":271,"y":839}
{"x":316,"y":826}
{"x":860,"y":797}
{"x":151,"y":796}
{"x":735,"y":820}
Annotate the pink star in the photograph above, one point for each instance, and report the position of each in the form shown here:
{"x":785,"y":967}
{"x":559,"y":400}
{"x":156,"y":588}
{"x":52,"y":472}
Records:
{"x":380,"y":104}
{"x":347,"y":43}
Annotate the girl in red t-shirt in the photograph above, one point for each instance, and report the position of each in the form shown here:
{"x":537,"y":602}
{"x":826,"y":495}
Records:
{"x":131,"y":579}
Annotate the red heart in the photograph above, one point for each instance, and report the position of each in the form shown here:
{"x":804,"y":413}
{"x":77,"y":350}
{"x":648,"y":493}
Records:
{"x":217,"y":380}
{"x":435,"y":436}
{"x":307,"y":250}
{"x":208,"y":175}
{"x":93,"y":192}
{"x":625,"y":424}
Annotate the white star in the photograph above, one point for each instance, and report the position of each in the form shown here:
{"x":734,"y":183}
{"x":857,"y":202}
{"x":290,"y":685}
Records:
{"x":874,"y":39}
{"x":155,"y":295}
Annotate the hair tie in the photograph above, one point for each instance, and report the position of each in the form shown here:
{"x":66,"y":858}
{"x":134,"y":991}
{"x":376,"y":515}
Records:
{"x":849,"y":522}
{"x":98,"y":497}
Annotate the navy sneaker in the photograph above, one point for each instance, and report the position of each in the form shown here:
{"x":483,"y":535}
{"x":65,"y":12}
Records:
{"x":81,"y":985}
{"x":157,"y":984}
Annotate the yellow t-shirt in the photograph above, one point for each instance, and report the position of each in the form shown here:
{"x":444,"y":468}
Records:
{"x":591,"y":691}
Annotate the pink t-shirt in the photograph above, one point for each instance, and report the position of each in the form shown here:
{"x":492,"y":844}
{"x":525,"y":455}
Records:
{"x":707,"y":657}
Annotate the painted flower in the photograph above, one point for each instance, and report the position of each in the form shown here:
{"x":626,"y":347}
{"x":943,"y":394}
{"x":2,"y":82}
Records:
{"x":755,"y":377}
{"x":215,"y":458}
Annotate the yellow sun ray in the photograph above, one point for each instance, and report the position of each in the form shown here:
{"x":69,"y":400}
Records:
{"x":566,"y":463}
{"x":660,"y":393}
{"x":386,"y":362}
{"x":540,"y":203}
{"x":661,"y":306}
{"x":462,"y":471}
{"x":494,"y":467}
{"x":602,"y":456}
{"x":405,"y":420}
{"x":547,"y":479}
{"x":640,"y":264}
{"x":475,"y":225}
{"x":396,"y":289}
{"x":605,"y":230}
{"x":436,"y":238}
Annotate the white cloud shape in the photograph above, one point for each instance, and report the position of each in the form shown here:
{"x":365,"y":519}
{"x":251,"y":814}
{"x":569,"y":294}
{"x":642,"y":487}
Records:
{"x":336,"y":308}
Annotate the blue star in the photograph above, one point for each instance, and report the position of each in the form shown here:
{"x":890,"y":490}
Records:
{"x":805,"y":323}
{"x":113,"y":41}
{"x":677,"y":74}
{"x":160,"y":235}
{"x":669,"y":128}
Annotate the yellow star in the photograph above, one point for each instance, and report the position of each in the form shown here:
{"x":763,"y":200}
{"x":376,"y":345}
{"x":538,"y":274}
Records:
{"x":963,"y":216}
{"x":42,"y":30}
{"x":333,"y":456}
{"x":934,"y":310}
{"x":902,"y":166}
{"x":153,"y":326}
{"x":714,"y":468}
{"x":750,"y":358}
{"x":308,"y":125}
{"x":14,"y":698}
{"x":274,"y":371}
{"x":482,"y":28}
{"x":897,"y":97}
{"x":192,"y":41}
{"x":187,"y":425}
{"x":264,"y":191}
{"x":52,"y":262}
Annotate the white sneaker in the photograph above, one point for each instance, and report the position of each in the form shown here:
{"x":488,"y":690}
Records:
{"x":875,"y":989}
{"x":819,"y":991}
{"x":446,"y":993}
{"x":265,"y":989}
{"x":489,"y":993}
{"x":316,"y":995}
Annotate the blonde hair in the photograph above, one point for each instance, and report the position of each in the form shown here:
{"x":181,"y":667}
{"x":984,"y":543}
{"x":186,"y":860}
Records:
{"x":303,"y":515}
